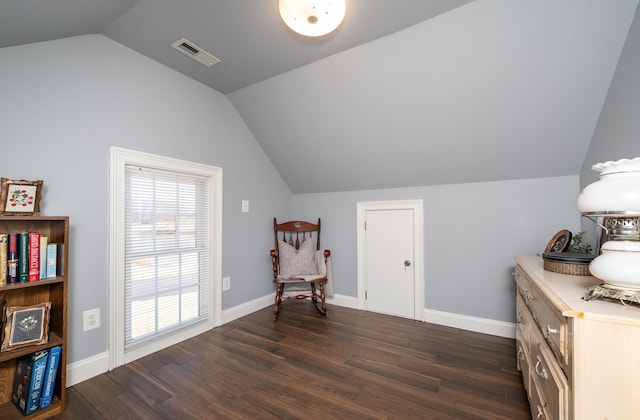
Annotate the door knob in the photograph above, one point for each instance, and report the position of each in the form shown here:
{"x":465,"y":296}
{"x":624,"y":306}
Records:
{"x":407,"y":263}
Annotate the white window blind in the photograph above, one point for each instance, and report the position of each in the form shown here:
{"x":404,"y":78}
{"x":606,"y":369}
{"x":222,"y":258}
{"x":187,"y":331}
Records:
{"x":166,"y":252}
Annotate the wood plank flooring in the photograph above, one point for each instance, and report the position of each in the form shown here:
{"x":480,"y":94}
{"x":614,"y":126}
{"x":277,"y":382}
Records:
{"x":354,"y":364}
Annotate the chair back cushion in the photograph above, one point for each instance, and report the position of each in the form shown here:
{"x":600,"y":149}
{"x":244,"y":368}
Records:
{"x":297,"y":262}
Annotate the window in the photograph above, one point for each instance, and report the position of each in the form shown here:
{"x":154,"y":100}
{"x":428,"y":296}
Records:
{"x":165,"y":241}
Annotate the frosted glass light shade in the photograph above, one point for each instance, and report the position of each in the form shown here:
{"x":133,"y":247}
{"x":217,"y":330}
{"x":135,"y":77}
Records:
{"x":617,"y":192}
{"x":313,"y":17}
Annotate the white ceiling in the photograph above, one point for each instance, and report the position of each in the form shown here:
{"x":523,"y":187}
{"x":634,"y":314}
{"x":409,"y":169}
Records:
{"x":405,"y":93}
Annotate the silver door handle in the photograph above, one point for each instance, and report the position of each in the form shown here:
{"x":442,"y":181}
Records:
{"x":407,"y":263}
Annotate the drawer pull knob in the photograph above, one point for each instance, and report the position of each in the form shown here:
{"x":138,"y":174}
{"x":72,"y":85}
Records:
{"x":541,"y":371}
{"x":540,"y":412}
{"x":552,"y":330}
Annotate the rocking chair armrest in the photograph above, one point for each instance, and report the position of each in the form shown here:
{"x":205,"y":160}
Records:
{"x":273,"y":253}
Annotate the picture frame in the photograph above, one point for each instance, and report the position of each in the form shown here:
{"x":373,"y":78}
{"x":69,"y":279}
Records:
{"x":20,"y":197}
{"x":26,"y":326}
{"x":560,"y":242}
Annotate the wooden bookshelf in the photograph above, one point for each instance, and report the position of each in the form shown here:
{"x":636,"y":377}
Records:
{"x":52,"y":290}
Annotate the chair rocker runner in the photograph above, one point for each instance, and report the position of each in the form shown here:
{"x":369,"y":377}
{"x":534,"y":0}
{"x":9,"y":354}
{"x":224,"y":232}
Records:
{"x":299,"y":261}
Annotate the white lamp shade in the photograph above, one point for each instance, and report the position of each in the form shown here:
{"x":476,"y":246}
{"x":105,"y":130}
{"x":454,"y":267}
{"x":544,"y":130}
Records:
{"x":618,"y":265}
{"x":617,"y":192}
{"x":313,"y":17}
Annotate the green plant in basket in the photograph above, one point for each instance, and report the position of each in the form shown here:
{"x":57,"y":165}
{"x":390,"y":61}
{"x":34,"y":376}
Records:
{"x":577,"y":247}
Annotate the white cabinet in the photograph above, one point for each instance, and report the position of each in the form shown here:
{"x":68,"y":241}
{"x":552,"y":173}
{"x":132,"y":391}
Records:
{"x":579,"y":359}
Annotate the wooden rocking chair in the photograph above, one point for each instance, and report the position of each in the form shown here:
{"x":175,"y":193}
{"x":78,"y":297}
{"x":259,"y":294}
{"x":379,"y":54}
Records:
{"x":298,"y":261}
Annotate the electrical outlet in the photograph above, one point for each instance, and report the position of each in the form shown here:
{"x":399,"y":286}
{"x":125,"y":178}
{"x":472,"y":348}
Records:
{"x":91,"y":319}
{"x":226,"y":283}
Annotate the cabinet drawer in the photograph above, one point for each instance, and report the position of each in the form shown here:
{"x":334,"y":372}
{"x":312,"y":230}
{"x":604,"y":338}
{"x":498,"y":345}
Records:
{"x":538,"y":408}
{"x":522,"y":283}
{"x":552,"y":324}
{"x":524,"y":321}
{"x":551,"y":382}
{"x":522,"y":360}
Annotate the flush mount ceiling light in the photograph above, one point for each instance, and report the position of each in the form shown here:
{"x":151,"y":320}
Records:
{"x":313,"y":17}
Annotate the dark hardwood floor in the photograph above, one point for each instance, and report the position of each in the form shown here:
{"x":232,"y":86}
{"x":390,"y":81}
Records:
{"x":354,"y":364}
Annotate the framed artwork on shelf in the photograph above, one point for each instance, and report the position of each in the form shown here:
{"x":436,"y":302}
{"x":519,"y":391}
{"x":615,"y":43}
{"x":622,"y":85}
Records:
{"x":20,"y":197}
{"x":26,"y":326}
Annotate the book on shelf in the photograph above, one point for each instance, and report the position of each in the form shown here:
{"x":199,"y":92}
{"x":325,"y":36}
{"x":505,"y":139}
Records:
{"x":34,"y":256}
{"x":52,"y":260}
{"x":23,"y":257}
{"x":50,"y":377}
{"x":27,"y":383}
{"x":12,"y":258}
{"x":3,"y":319}
{"x":4,"y":249}
{"x":60,"y":257}
{"x":44,"y":241}
{"x":29,"y":257}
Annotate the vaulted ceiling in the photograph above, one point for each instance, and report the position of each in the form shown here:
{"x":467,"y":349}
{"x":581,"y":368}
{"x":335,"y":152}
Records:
{"x":248,"y":36}
{"x":404,"y":93}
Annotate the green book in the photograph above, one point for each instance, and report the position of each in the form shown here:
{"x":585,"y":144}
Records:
{"x":23,"y":257}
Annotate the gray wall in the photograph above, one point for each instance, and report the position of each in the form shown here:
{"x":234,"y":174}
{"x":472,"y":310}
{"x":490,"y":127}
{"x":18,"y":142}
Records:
{"x":471,"y":234}
{"x":63,"y":103}
{"x":617,"y":134}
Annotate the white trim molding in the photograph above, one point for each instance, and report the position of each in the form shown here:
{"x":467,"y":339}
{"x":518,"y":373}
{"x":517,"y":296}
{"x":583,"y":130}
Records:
{"x":87,"y":368}
{"x":119,"y":159}
{"x":471,"y":323}
{"x":418,"y":245}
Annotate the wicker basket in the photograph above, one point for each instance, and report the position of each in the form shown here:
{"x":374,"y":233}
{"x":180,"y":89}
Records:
{"x":567,"y":268}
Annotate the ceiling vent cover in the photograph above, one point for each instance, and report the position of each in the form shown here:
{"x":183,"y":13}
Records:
{"x":190,"y":49}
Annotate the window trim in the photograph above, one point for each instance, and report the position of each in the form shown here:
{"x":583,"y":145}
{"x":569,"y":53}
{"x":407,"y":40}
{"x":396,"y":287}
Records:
{"x":119,"y":158}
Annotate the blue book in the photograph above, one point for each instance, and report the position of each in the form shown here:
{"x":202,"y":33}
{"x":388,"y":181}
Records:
{"x":50,"y":377}
{"x":27,"y":385}
{"x":52,"y":262}
{"x":44,"y":242}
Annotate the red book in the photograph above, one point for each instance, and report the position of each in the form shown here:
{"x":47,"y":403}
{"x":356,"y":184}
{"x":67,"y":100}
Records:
{"x":34,"y":256}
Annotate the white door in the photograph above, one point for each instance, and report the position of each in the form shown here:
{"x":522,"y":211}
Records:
{"x":391,"y":265}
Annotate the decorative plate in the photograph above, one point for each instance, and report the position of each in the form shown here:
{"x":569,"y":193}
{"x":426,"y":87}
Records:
{"x":560,"y":242}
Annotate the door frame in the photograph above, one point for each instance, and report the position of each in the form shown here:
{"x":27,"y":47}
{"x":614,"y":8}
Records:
{"x":418,"y":247}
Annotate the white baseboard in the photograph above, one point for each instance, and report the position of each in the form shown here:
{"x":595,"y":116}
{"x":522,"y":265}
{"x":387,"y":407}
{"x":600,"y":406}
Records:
{"x":252,"y":306}
{"x":247,"y":308}
{"x":95,"y":365}
{"x":471,"y":323}
{"x":345,"y":301}
{"x":87,"y":368}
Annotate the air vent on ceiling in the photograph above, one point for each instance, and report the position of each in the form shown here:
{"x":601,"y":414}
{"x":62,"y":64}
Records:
{"x":190,"y":49}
